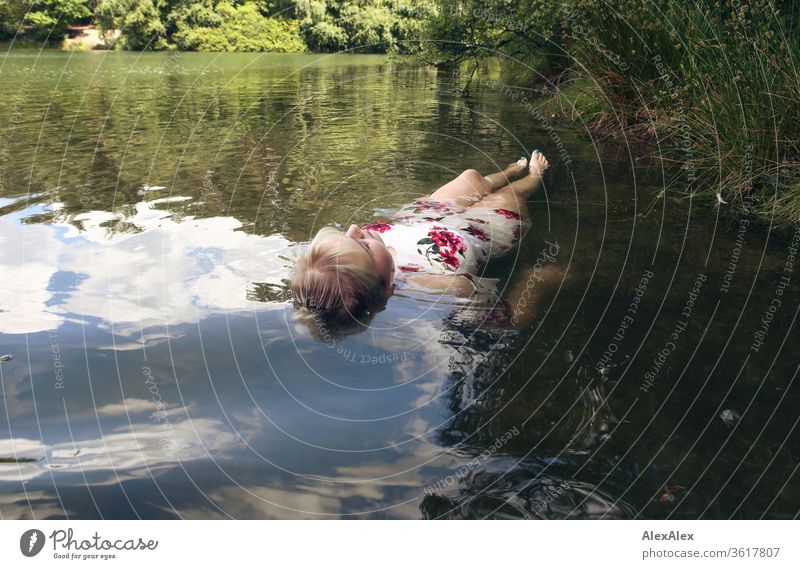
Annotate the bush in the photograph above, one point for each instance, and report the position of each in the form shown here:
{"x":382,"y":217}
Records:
{"x":382,"y":26}
{"x":325,"y":36}
{"x":138,"y":21}
{"x":46,"y":19}
{"x":235,"y":28}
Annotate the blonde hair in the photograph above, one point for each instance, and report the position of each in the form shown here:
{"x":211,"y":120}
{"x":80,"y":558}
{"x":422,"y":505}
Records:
{"x":336,"y":278}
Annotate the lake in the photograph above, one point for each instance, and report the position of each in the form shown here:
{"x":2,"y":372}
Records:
{"x":150,"y":208}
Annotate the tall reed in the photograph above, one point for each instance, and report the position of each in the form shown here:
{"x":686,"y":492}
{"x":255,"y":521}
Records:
{"x":715,"y":86}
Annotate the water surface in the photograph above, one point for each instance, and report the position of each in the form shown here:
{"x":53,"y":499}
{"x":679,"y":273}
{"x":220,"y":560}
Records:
{"x":150,"y":208}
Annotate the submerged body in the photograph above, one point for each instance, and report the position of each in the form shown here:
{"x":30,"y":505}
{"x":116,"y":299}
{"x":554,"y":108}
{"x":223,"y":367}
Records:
{"x":440,"y":243}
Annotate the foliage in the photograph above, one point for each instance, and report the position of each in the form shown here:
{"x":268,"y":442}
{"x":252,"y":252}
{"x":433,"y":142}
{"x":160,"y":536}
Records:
{"x":205,"y":25}
{"x":138,"y":21}
{"x":382,"y":26}
{"x":11,"y":14}
{"x":461,"y":30}
{"x":45,"y":19}
{"x":714,"y":84}
{"x":325,"y":36}
{"x":226,"y":27}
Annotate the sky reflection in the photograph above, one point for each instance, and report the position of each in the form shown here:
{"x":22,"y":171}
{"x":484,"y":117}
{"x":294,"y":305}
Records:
{"x":161,"y":273}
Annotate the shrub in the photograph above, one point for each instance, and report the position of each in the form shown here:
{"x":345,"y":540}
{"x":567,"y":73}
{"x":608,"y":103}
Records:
{"x":46,"y":19}
{"x":138,"y":21}
{"x":235,"y":28}
{"x":325,"y":36}
{"x":367,"y":25}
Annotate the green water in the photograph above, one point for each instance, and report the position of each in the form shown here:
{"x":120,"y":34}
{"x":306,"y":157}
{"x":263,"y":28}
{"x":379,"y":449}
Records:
{"x":150,"y":208}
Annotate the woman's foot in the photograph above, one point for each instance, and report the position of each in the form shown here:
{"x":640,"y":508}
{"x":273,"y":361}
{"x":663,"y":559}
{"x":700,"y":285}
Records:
{"x":538,"y":165}
{"x":517,"y":169}
{"x":523,"y":186}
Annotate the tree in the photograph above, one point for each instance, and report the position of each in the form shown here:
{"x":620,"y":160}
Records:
{"x":363,"y":25}
{"x":225,"y":27}
{"x":462,"y":30}
{"x":47,"y":19}
{"x":138,"y":21}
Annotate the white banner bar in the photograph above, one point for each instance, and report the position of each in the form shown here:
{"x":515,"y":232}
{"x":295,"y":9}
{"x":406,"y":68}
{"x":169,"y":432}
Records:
{"x":390,"y":544}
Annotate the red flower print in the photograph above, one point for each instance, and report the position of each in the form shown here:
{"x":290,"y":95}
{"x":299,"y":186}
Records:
{"x":508,"y":214}
{"x":409,"y":268}
{"x":449,"y":259}
{"x":447,"y":239}
{"x":377,"y":227}
{"x":443,"y":246}
{"x":476,"y":232}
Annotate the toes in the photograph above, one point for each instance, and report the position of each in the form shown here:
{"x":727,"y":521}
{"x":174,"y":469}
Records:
{"x":538,"y":163}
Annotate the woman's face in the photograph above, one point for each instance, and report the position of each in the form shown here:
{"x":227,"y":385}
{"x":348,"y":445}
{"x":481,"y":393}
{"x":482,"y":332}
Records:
{"x":382,"y":259}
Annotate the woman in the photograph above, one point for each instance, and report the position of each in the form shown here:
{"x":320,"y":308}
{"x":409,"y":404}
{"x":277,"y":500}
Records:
{"x":439,"y":242}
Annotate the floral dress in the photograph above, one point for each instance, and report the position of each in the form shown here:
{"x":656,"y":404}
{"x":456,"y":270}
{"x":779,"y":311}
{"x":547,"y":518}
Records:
{"x":441,"y":237}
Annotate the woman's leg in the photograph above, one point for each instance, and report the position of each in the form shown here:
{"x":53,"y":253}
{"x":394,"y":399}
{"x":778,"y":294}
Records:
{"x":514,"y":195}
{"x":511,"y":173}
{"x":471,"y":187}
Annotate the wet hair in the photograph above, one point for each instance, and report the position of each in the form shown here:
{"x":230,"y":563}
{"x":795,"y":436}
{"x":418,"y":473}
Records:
{"x":324,"y":327}
{"x":335,"y":283}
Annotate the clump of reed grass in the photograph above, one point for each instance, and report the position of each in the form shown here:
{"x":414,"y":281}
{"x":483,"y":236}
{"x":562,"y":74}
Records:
{"x":714,"y":86}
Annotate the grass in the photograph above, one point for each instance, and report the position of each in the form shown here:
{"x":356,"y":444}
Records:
{"x":714,"y":89}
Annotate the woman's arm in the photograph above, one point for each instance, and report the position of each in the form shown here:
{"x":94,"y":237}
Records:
{"x":455,"y":285}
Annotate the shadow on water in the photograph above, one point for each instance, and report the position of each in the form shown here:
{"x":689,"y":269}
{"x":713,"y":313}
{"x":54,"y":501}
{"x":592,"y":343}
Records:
{"x":150,"y":209}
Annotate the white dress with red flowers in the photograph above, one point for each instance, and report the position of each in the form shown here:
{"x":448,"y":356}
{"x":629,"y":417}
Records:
{"x":442,"y":237}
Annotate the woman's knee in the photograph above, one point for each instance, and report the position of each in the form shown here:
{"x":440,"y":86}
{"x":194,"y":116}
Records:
{"x":475,"y":179}
{"x":470,"y":174}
